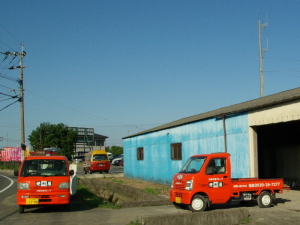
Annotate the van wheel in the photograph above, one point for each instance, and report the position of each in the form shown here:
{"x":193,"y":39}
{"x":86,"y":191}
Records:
{"x":265,"y":199}
{"x":21,"y":209}
{"x":198,"y":204}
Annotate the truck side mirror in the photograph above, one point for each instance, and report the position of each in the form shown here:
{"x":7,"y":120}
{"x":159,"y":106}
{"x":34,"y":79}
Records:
{"x":71,"y":172}
{"x":209,"y":171}
{"x":16,"y":173}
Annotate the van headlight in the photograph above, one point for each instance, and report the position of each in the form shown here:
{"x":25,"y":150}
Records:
{"x":23,"y":186}
{"x":189,"y":185}
{"x":65,"y":185}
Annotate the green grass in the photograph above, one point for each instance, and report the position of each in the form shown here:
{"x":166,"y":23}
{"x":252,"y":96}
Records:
{"x":118,"y":181}
{"x":11,"y":165}
{"x":136,"y":222}
{"x":247,"y":220}
{"x":153,"y":191}
{"x":86,"y":199}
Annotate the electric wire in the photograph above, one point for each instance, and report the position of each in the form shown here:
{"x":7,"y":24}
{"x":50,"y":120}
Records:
{"x":9,"y":105}
{"x":122,"y":124}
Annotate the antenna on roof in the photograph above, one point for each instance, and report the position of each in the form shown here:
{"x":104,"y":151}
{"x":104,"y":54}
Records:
{"x":261,"y":52}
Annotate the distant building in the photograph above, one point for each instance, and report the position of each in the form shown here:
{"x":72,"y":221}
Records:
{"x":261,"y":135}
{"x":87,"y":140}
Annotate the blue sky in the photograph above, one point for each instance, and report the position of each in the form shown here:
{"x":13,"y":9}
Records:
{"x":121,"y":67}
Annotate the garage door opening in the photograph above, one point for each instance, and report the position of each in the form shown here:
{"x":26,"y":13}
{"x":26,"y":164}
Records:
{"x":279,"y":151}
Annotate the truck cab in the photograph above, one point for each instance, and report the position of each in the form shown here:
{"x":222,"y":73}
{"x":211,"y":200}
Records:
{"x":43,"y":180}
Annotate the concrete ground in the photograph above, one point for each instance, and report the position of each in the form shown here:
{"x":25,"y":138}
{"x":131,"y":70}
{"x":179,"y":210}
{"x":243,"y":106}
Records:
{"x":287,"y":211}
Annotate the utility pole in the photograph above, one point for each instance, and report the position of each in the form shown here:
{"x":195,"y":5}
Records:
{"x":261,"y":51}
{"x":20,"y":81}
{"x":21,"y":55}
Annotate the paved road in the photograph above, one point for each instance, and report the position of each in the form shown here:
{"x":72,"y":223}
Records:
{"x":113,"y":169}
{"x":52,"y":215}
{"x":287,"y":211}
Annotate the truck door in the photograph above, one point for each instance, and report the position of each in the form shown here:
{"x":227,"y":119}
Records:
{"x":218,"y":180}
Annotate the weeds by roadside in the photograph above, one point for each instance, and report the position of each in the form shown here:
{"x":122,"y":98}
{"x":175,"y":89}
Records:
{"x":153,"y":191}
{"x":86,"y":199}
{"x":149,"y":187}
{"x":136,"y":222}
{"x":10,"y":165}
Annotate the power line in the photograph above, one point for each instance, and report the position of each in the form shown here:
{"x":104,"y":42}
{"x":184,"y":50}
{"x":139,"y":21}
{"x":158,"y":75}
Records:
{"x":10,"y":33}
{"x":297,"y":60}
{"x":8,"y":78}
{"x":79,"y":110}
{"x":9,"y":105}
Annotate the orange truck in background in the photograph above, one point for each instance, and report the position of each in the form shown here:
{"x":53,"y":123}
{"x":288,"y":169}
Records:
{"x":44,"y":180}
{"x":206,"y":180}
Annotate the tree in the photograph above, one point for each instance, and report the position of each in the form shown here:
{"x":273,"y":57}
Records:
{"x":54,"y":136}
{"x":115,"y":150}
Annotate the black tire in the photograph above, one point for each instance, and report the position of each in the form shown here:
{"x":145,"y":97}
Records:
{"x":265,"y":199}
{"x":198,"y":204}
{"x":90,"y":172}
{"x":21,"y":209}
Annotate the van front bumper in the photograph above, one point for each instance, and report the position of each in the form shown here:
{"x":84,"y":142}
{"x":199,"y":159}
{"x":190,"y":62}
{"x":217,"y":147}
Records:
{"x":45,"y":198}
{"x":180,"y":197}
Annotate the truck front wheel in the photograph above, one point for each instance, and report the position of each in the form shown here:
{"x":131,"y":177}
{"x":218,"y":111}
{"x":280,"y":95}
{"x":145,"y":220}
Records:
{"x":198,"y":204}
{"x":265,"y":199}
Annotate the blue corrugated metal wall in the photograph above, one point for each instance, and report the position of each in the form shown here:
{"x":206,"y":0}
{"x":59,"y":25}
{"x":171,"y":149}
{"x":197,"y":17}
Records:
{"x":197,"y":138}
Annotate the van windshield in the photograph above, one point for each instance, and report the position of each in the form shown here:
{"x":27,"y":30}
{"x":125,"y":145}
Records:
{"x":99,"y":157}
{"x":42,"y":167}
{"x":193,"y":165}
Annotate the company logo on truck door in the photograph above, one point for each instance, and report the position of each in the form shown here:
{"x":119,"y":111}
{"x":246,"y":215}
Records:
{"x":215,"y":184}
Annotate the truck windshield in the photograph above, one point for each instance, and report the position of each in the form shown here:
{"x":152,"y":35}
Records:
{"x":41,"y":167}
{"x":193,"y":165}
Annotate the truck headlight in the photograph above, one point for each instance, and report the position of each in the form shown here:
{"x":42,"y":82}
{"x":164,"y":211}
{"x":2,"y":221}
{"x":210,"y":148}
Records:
{"x":189,"y":185}
{"x":65,"y":185}
{"x":23,"y":186}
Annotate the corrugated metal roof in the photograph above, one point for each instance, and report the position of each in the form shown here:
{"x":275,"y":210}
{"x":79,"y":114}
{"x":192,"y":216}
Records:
{"x":266,"y":101}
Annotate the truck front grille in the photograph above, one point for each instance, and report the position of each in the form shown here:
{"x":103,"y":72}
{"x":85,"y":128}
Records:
{"x":179,"y":187}
{"x":178,"y":194}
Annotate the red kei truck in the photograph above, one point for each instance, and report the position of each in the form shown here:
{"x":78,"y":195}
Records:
{"x":206,"y":180}
{"x":44,"y":180}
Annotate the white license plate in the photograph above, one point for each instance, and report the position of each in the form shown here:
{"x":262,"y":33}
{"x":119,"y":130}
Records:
{"x":247,"y":196}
